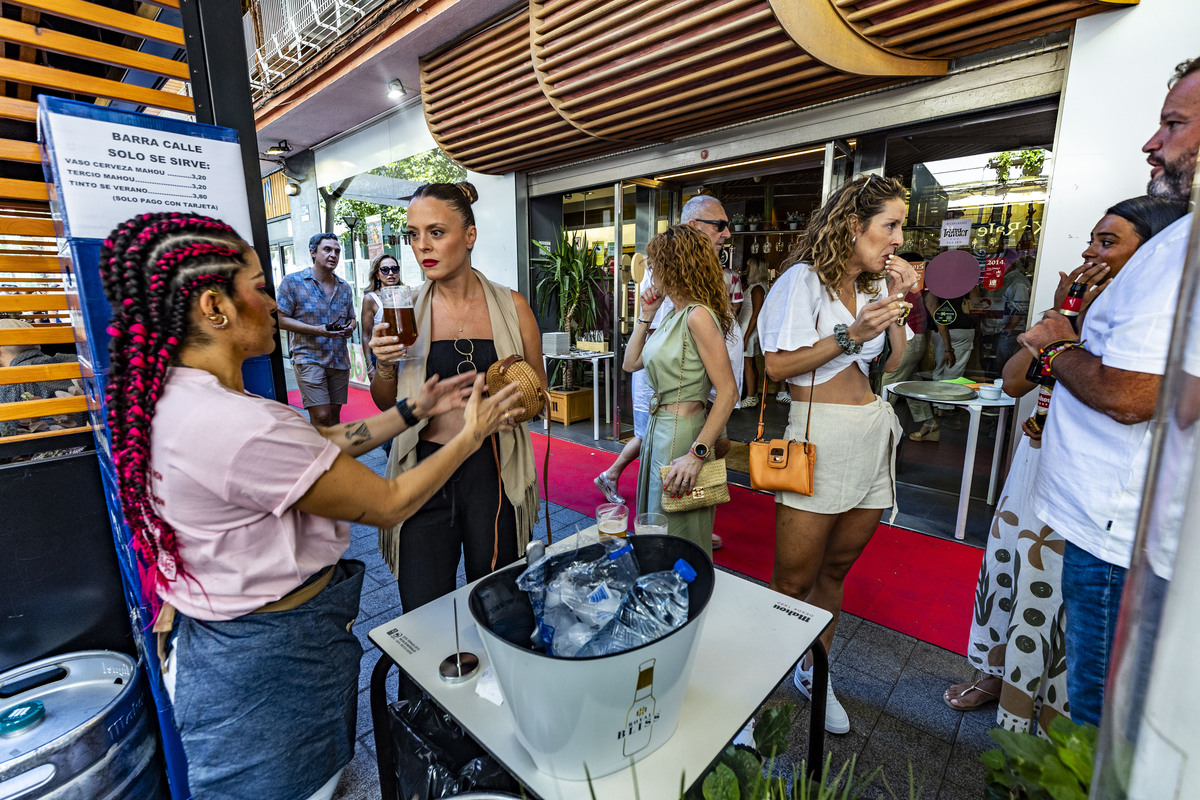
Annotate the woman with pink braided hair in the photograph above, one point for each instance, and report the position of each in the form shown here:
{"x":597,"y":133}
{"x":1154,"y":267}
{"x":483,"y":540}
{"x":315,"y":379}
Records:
{"x":233,"y":503}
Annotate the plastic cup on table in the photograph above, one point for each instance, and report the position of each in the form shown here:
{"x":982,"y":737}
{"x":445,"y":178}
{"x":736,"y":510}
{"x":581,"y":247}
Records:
{"x":651,"y":524}
{"x":612,"y":520}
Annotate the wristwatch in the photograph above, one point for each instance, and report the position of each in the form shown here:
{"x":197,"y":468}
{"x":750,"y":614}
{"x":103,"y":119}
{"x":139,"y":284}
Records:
{"x":841,"y":335}
{"x":699,"y":450}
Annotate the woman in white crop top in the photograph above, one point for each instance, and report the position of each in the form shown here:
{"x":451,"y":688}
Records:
{"x":822,"y":323}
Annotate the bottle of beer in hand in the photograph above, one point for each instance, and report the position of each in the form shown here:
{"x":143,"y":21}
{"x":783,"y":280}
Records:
{"x":1072,"y":305}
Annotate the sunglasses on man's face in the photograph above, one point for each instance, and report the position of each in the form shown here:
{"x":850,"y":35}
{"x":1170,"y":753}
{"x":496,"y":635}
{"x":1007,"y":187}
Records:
{"x":389,"y":270}
{"x":719,"y":224}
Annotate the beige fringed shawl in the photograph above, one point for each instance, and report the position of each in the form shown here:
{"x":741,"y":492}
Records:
{"x":516,"y":449}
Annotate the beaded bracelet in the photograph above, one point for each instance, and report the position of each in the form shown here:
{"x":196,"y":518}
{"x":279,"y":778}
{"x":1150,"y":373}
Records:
{"x":1059,"y":350}
{"x":1052,"y":348}
{"x":841,"y":335}
{"x":387,"y":376}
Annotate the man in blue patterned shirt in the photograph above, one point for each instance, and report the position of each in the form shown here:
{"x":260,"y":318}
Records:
{"x":316,"y":308}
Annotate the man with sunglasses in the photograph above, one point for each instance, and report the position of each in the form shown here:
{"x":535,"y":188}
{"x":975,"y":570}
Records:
{"x":706,"y":214}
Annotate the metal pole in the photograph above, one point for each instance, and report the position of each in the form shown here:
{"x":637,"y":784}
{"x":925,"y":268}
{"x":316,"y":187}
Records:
{"x":618,"y":220}
{"x":216,"y":50}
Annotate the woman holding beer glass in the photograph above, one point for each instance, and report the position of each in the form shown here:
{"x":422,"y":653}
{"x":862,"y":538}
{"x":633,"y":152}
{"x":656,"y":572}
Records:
{"x":233,"y":503}
{"x":385,"y":271}
{"x":486,"y":511}
{"x":825,"y":319}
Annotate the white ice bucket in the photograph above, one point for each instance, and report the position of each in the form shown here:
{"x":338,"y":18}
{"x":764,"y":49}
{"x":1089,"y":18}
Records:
{"x":581,"y":716}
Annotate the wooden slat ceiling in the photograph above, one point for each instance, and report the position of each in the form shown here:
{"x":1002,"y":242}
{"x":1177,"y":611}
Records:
{"x":947,"y":28}
{"x":557,"y":81}
{"x":84,"y":51}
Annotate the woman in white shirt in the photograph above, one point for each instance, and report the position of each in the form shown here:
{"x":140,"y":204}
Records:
{"x":823,"y":322}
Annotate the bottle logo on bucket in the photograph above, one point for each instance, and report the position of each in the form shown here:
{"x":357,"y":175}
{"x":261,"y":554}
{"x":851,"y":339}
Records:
{"x":639,"y":722}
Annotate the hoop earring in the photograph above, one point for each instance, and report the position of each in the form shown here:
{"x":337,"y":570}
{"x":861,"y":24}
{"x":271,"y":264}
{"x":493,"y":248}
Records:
{"x":218,"y":321}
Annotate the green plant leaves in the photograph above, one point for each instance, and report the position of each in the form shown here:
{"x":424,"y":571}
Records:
{"x":721,"y":784}
{"x":1039,"y":769}
{"x":770,"y":733}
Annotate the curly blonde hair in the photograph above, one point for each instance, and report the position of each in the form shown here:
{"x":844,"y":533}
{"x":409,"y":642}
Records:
{"x":828,"y":242}
{"x":684,"y":264}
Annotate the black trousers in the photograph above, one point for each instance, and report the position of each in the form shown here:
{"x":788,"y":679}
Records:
{"x":460,"y":519}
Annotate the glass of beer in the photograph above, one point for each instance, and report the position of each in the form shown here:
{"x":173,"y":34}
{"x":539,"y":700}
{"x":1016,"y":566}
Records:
{"x":612,"y":520}
{"x":397,"y":303}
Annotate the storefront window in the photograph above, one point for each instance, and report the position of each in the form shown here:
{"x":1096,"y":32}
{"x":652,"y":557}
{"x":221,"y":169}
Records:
{"x":368,"y":212}
{"x":979,"y":187}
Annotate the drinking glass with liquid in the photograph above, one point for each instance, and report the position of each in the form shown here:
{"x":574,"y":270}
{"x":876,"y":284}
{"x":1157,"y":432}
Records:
{"x":651,"y":524}
{"x":612,"y":519}
{"x":398,"y":313}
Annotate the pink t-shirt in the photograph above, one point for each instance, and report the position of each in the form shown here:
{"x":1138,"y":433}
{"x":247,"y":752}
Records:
{"x":227,"y":470}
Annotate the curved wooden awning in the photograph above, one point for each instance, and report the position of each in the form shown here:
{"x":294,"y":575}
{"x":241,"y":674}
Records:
{"x":557,"y":81}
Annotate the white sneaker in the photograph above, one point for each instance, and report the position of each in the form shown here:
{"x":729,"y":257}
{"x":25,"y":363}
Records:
{"x":783,"y":397}
{"x":746,"y":737}
{"x":836,"y":718}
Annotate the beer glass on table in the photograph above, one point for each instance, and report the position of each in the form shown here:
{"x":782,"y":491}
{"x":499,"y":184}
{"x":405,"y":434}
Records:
{"x":612,"y":520}
{"x":398,"y":313}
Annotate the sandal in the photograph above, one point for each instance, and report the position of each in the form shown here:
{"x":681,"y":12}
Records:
{"x":957,"y":693}
{"x":928,"y":433}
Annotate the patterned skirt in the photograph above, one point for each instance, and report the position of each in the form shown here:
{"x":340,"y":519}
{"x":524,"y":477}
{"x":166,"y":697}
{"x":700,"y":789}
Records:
{"x":1017,"y":631}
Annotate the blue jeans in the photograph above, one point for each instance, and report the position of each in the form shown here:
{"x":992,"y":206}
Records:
{"x":1091,"y":590}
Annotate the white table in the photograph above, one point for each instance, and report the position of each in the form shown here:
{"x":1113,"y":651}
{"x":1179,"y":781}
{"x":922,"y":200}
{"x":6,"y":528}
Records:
{"x":752,"y":638}
{"x":595,"y":358}
{"x":975,"y":410}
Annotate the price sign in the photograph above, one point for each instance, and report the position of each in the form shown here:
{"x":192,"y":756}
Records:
{"x":955,"y":232}
{"x":111,"y":165}
{"x":993,"y":272}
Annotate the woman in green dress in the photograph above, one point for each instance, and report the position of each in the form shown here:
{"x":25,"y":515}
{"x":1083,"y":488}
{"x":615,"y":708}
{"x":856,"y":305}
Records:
{"x":684,"y":359}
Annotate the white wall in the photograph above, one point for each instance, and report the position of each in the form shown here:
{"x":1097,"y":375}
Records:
{"x":404,"y":134}
{"x":495,"y":253}
{"x":1116,"y":81}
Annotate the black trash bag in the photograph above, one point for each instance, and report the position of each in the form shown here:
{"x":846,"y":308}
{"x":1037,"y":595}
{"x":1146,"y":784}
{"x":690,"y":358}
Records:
{"x":436,"y":758}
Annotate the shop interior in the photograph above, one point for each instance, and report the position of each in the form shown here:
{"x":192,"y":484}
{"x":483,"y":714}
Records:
{"x":991,"y":170}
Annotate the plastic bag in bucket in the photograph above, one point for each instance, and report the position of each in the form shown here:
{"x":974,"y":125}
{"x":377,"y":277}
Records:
{"x":602,"y":711}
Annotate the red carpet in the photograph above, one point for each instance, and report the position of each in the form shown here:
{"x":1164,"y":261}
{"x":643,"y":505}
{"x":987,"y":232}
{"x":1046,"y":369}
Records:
{"x":919,"y":585}
{"x":358,"y":405}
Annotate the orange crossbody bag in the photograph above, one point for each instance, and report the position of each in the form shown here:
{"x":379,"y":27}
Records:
{"x":783,"y":464}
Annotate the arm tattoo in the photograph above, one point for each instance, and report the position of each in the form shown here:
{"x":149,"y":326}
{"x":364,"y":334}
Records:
{"x":358,"y":434}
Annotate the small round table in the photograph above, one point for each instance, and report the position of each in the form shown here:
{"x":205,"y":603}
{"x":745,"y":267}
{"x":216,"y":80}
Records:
{"x":918,"y":390}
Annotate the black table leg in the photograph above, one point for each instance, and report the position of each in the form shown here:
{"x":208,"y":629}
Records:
{"x":384,"y":757}
{"x":816,"y":726}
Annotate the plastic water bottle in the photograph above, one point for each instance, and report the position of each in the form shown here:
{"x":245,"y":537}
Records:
{"x":656,"y":605}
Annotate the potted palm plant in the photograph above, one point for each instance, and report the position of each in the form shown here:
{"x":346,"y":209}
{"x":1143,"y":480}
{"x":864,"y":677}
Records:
{"x":571,"y":278}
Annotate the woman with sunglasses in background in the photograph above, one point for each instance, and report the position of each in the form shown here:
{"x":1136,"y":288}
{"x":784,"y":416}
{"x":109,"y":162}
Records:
{"x":385,"y":271}
{"x":825,"y":319}
{"x":486,"y":512}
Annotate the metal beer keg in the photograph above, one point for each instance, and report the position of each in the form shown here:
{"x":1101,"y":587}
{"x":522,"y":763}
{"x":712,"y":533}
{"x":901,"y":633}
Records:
{"x":78,"y":727}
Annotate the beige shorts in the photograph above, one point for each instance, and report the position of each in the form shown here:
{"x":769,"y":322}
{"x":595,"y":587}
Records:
{"x":321,"y":386}
{"x":856,"y":456}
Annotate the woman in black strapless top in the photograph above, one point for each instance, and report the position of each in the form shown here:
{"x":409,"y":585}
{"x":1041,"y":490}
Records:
{"x":486,"y":512}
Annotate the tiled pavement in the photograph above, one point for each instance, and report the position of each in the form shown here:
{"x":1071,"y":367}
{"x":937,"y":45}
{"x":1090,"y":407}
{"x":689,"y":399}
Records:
{"x":890,"y":684}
